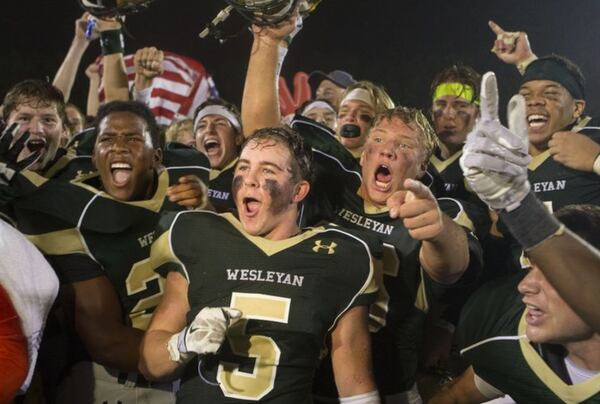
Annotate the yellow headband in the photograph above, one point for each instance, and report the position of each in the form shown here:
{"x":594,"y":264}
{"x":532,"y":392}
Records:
{"x":464,"y":91}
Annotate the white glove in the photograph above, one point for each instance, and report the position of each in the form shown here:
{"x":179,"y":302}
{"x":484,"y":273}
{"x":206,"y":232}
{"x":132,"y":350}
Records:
{"x":495,"y":159}
{"x":204,"y":335}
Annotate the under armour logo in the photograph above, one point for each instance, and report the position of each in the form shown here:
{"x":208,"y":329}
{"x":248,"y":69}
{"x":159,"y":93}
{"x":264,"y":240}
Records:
{"x":320,"y":246}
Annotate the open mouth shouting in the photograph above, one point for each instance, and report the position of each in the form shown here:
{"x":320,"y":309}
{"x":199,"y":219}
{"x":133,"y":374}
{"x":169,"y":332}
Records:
{"x":251,"y":206}
{"x":212,"y":147}
{"x":35,"y":144}
{"x":383,"y":178}
{"x":121,"y":173}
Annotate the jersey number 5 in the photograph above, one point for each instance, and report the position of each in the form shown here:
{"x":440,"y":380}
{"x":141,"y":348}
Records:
{"x":244,"y":385}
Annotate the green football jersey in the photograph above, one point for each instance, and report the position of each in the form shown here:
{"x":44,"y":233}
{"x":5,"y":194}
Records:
{"x":219,"y":189}
{"x":398,"y":316}
{"x":97,"y":235}
{"x":291,"y":293}
{"x":493,"y":340}
{"x":558,"y":185}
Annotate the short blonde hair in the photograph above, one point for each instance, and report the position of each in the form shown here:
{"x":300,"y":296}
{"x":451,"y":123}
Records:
{"x":416,"y":117}
{"x":378,"y":94}
{"x":174,"y":130}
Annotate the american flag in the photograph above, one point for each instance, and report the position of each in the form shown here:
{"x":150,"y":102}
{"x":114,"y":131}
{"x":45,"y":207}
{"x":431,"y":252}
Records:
{"x":183,"y":86}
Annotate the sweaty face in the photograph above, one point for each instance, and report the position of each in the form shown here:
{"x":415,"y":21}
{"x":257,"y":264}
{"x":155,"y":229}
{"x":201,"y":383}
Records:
{"x":549,"y":319}
{"x":218,"y":140}
{"x":392,"y":153}
{"x":45,"y":127}
{"x":263,"y":189}
{"x":125,"y":157}
{"x":550,"y":108}
{"x":329,"y":91}
{"x":358,"y":113}
{"x":324,"y":116}
{"x":453,"y":119}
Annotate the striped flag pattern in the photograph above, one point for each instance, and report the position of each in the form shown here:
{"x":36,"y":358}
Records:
{"x":183,"y":86}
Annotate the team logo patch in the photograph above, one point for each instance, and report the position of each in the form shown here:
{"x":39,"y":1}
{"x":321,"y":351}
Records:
{"x":319,"y":246}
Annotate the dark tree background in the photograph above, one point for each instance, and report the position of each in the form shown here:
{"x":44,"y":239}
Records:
{"x":398,"y":43}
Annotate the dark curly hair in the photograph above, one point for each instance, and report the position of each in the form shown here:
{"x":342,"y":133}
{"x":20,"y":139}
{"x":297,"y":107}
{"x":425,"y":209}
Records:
{"x":136,"y":108}
{"x":301,"y":154}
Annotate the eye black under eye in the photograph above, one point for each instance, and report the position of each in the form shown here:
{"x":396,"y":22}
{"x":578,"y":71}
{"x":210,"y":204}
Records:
{"x":366,"y":118}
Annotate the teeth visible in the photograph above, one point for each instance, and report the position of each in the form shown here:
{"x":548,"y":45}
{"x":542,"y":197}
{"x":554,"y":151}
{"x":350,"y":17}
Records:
{"x":536,"y":117}
{"x":382,"y":184}
{"x":211,"y":143}
{"x":116,"y":166}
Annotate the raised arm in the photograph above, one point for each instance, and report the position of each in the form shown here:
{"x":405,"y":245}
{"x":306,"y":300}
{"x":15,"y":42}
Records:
{"x":512,"y":47}
{"x":260,"y":103}
{"x":495,"y":163}
{"x":93,"y":100}
{"x":65,"y":76}
{"x":116,"y":86}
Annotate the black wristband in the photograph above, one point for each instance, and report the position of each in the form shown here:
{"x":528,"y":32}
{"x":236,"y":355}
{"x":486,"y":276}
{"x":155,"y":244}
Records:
{"x":111,"y":42}
{"x":530,"y":223}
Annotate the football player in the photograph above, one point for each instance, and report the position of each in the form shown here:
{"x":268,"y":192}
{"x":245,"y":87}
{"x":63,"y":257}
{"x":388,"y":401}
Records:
{"x":273,"y":299}
{"x":521,"y":338}
{"x":100,"y":246}
{"x":425,"y":249}
{"x":218,"y":132}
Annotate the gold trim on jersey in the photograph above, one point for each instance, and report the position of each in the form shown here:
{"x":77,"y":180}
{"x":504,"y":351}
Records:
{"x":162,"y":253}
{"x":537,"y":161}
{"x":464,"y":220}
{"x":421,"y":300}
{"x":214,"y":173}
{"x":60,"y":242}
{"x":372,"y":209}
{"x":34,"y":178}
{"x":271,"y":247}
{"x":569,"y":394}
{"x":154,"y":204}
{"x":441,"y":165}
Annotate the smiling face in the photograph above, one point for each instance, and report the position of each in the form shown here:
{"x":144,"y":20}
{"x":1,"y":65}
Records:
{"x":265,"y":190}
{"x":358,"y":113}
{"x":393,"y":152}
{"x":45,"y":127}
{"x":453,"y":119}
{"x":550,"y":108}
{"x":125,"y":157}
{"x":218,"y":140}
{"x":549,"y":318}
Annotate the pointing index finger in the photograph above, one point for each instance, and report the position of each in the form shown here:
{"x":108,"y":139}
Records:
{"x":495,"y":27}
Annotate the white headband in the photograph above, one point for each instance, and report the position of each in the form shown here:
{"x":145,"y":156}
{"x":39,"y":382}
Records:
{"x":318,"y":104}
{"x":218,"y":110}
{"x":359,"y":94}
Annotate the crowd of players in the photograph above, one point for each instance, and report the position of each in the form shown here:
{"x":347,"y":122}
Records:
{"x":342,"y":254}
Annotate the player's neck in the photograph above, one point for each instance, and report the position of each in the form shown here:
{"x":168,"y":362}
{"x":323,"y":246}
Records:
{"x":537,"y":150}
{"x":585,"y":354}
{"x":449,"y":150}
{"x":286,"y":228}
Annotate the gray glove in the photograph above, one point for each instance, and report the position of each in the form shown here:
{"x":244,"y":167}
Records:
{"x":495,"y":159}
{"x":204,"y":335}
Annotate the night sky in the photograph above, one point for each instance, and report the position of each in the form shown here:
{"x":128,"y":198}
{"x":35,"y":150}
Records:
{"x":398,"y":43}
